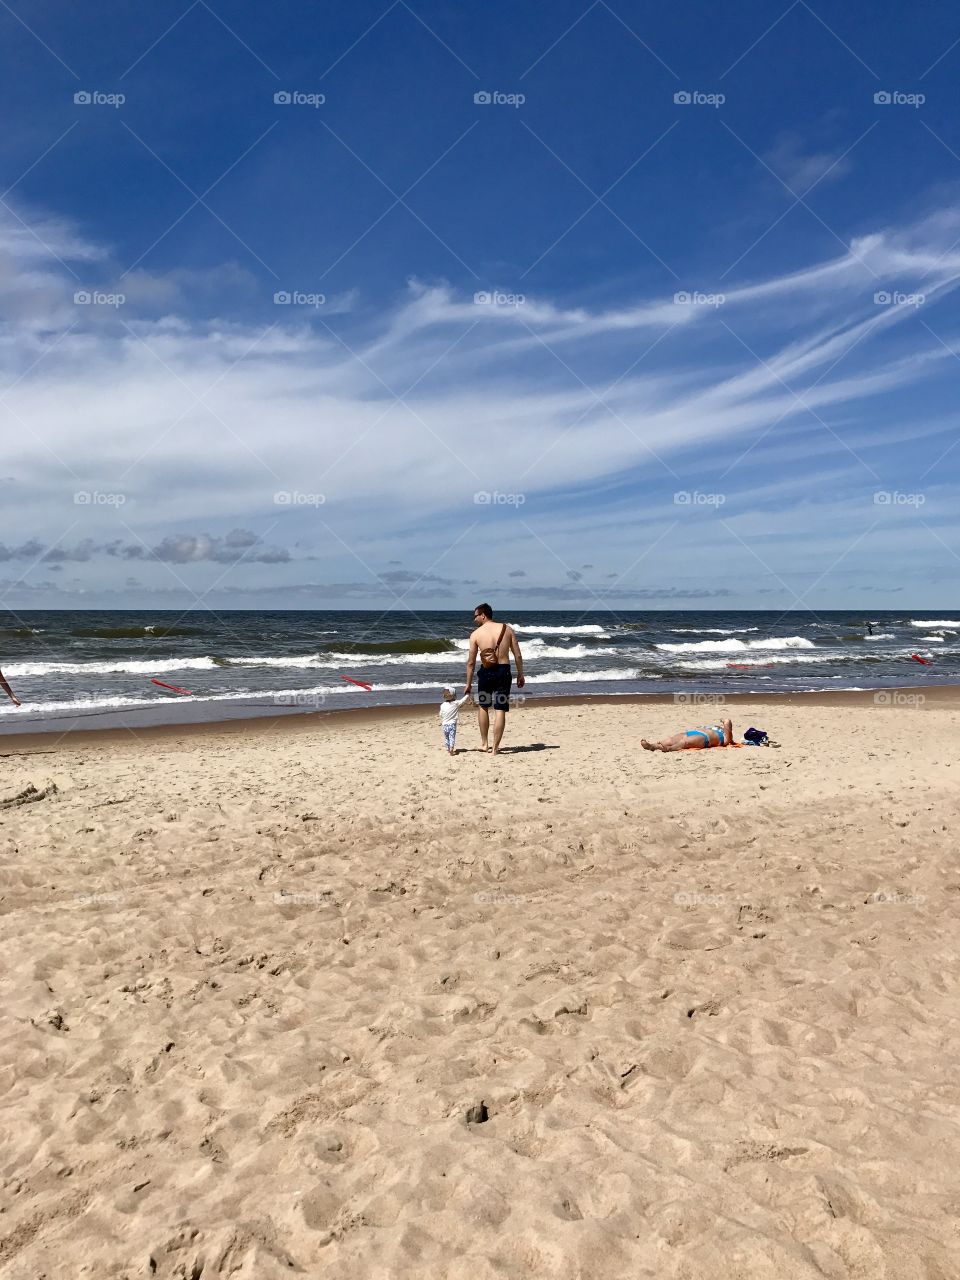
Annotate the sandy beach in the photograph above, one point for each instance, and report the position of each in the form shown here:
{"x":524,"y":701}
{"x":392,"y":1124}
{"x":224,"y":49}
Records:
{"x":317,"y":999}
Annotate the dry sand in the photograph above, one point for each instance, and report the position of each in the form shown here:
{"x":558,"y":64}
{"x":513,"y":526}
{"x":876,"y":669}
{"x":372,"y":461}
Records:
{"x":260,"y":987}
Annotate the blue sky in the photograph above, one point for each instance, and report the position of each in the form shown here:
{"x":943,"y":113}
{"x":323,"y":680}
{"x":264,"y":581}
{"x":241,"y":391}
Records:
{"x":585,"y":303}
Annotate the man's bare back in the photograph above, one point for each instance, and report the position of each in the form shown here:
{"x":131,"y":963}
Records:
{"x":485,"y":637}
{"x":493,"y":682}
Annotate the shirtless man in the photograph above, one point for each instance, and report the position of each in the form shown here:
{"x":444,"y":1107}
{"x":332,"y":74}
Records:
{"x":8,"y":691}
{"x":493,"y":682}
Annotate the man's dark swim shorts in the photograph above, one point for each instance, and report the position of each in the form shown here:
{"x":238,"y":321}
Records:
{"x":493,"y":686}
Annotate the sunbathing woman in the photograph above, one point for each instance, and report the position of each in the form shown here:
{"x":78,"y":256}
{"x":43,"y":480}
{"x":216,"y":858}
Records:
{"x":714,"y":735}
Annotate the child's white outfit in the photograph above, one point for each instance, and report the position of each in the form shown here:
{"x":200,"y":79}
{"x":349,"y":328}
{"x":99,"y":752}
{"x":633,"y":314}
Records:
{"x":449,"y":711}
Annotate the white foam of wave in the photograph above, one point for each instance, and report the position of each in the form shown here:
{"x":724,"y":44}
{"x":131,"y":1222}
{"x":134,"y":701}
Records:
{"x":586,"y":677}
{"x":536,"y":649}
{"x":336,"y":661}
{"x":109,"y":703}
{"x":881,"y":635}
{"x":720,"y":664}
{"x":330,"y":661}
{"x":712,"y":631}
{"x":137,"y":668}
{"x":738,"y":646}
{"x":297,"y":660}
{"x":937,"y":622}
{"x":588,"y":629}
{"x":77,"y":704}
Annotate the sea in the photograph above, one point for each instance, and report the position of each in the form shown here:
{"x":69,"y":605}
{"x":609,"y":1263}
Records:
{"x":91,"y":669}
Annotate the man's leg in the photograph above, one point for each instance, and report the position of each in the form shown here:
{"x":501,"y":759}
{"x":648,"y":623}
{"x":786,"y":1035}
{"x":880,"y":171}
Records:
{"x":499,"y":724}
{"x":483,"y":720}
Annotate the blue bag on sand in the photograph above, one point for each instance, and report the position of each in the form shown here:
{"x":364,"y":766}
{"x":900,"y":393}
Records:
{"x":756,"y":737}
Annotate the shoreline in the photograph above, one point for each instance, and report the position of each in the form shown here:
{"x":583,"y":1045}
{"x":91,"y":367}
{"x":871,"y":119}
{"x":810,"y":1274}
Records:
{"x":943,"y":696}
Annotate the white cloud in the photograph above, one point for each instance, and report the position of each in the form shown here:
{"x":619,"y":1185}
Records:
{"x":200,"y":423}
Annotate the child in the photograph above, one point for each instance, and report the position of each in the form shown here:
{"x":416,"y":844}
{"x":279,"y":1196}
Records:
{"x":449,"y":711}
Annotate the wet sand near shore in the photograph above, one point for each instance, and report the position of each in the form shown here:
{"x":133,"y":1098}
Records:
{"x":686,"y":707}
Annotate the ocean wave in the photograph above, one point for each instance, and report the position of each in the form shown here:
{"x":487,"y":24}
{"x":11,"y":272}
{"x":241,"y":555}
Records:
{"x":154,"y":632}
{"x":76,"y":704}
{"x":710,"y":631}
{"x":307,"y":662}
{"x":720,"y":664}
{"x":339,"y":658}
{"x":937,"y":622}
{"x":543,"y":677}
{"x":881,"y":635}
{"x":738,"y":646}
{"x":588,"y":629}
{"x":94,"y":704}
{"x":428,"y":645}
{"x":585,"y":677}
{"x":155,"y":666}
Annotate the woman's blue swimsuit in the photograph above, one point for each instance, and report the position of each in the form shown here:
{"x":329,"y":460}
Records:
{"x":702,"y":733}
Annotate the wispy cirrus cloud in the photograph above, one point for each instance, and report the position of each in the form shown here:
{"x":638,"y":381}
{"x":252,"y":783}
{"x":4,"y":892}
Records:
{"x":382,"y":426}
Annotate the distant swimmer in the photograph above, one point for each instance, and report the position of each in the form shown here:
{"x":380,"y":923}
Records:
{"x":8,"y":691}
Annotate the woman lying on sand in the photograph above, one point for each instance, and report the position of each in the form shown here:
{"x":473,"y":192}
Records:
{"x":714,"y":735}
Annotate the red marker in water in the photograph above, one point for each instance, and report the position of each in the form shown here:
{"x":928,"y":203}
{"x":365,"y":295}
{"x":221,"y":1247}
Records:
{"x":173,"y":688}
{"x":925,"y":661}
{"x":368,"y":687}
